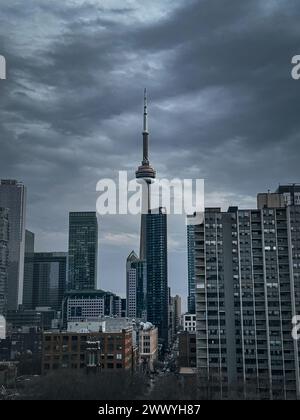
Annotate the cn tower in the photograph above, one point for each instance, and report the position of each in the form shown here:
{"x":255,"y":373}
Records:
{"x":146,"y":174}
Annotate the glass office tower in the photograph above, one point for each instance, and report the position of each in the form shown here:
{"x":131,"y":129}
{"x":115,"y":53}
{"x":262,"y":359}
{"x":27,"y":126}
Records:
{"x":48,"y":283}
{"x":157,"y":272}
{"x":83,"y":251}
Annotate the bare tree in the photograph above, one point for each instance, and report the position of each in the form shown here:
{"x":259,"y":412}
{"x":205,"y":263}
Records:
{"x":77,"y":385}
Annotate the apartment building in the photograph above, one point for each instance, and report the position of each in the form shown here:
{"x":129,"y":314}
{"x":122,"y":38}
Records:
{"x":247,"y":265}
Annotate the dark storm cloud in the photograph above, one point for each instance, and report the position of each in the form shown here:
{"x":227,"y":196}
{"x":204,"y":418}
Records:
{"x":223,"y":105}
{"x":238,"y":55}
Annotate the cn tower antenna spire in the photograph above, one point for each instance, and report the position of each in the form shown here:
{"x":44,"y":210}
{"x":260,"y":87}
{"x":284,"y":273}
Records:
{"x":145,"y":170}
{"x":145,"y":112}
{"x":146,"y":173}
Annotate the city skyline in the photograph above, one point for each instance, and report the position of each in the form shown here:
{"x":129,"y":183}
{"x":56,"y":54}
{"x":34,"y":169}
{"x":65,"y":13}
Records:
{"x":149,"y":203}
{"x":215,"y":117}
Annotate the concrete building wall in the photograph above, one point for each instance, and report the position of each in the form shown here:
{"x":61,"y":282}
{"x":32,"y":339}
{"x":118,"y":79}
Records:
{"x":270,"y":200}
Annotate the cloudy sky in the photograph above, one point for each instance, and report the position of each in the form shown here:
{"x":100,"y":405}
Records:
{"x":223,"y":107}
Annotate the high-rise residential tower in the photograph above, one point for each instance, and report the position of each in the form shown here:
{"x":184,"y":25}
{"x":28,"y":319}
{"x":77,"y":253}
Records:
{"x":174,"y":315}
{"x":83,"y":251}
{"x":136,"y":287}
{"x":4,"y":237}
{"x":191,"y":267}
{"x":13,"y":197}
{"x":247,"y":267}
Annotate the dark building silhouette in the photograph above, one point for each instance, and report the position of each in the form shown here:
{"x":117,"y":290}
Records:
{"x":24,"y":318}
{"x":45,"y":277}
{"x":123,"y":308}
{"x":157,"y":272}
{"x":83,"y":251}
{"x":26,"y":348}
{"x":186,"y":349}
{"x":4,"y":258}
{"x":40,"y":318}
{"x":28,"y":270}
{"x":174,"y":315}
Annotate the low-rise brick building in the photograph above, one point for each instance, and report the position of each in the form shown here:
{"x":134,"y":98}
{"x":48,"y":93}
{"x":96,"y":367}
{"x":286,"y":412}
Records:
{"x":88,"y":350}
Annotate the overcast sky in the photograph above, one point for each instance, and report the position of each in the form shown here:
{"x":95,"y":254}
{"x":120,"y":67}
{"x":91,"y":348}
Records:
{"x":223,"y":107}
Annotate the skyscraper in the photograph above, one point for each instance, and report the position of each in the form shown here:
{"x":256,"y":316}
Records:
{"x":4,"y":237}
{"x":13,"y":197}
{"x":191,"y":267}
{"x":174,"y":315}
{"x":28,"y":270}
{"x":177,"y":312}
{"x":48,"y":283}
{"x":136,"y":287}
{"x":157,"y":272}
{"x":146,"y":174}
{"x":83,"y":251}
{"x":247,"y":266}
